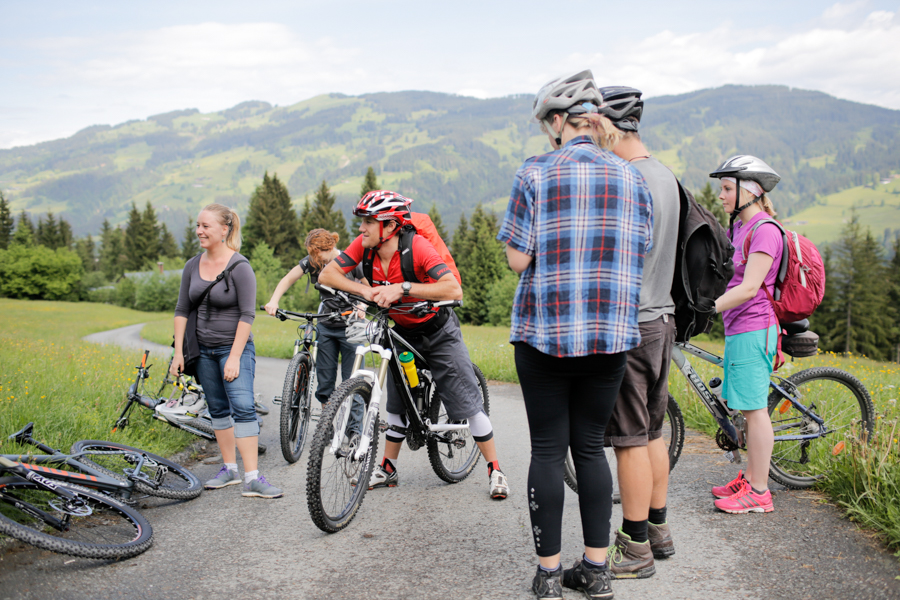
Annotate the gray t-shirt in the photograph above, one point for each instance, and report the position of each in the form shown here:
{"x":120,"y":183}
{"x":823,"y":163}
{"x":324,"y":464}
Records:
{"x":659,"y":263}
{"x":229,"y":302}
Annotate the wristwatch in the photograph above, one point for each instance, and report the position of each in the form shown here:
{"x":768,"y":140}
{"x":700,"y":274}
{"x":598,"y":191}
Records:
{"x":406,"y":287}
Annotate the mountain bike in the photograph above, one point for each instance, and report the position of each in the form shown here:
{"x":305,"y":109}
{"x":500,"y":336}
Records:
{"x":185,"y":407}
{"x":114,"y":469}
{"x":299,"y":383}
{"x":816,"y":413}
{"x":345,"y":443}
{"x":66,"y":518}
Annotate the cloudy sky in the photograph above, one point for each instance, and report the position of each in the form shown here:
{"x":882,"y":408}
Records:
{"x":68,"y":65}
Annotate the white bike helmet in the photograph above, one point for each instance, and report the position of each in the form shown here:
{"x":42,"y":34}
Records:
{"x":747,"y":168}
{"x":576,"y":95}
{"x":183,"y":409}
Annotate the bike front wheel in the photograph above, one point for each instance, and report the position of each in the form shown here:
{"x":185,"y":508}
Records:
{"x":672,"y":433}
{"x":101,"y":527}
{"x":295,"y":407}
{"x":171,"y":480}
{"x":337,"y":482}
{"x":840,"y":400}
{"x":453,"y":454}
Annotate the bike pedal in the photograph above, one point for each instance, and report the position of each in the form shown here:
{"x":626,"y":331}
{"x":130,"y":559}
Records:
{"x":276,"y":400}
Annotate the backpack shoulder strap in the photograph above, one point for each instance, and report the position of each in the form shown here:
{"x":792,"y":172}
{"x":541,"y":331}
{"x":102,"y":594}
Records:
{"x":407,"y":264}
{"x":785,"y":250}
{"x":367,"y":259}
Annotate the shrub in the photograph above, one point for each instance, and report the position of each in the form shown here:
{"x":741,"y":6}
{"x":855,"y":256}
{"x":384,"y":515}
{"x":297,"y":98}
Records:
{"x":39,"y":273}
{"x":157,"y":293}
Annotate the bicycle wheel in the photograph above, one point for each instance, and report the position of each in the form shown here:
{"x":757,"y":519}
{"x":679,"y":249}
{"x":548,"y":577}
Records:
{"x":453,"y":454}
{"x":336,"y":482}
{"x":175,"y":482}
{"x":102,"y":528}
{"x":840,"y":400}
{"x":295,"y":408}
{"x":672,"y":432}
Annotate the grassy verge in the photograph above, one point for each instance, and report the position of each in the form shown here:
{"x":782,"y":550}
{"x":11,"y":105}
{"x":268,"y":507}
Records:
{"x":71,"y":389}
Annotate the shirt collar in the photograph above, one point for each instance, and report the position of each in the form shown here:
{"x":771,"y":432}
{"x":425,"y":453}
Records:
{"x":581,"y":139}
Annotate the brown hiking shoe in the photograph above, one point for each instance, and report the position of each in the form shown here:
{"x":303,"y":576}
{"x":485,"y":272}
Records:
{"x":630,"y":560}
{"x":660,"y":540}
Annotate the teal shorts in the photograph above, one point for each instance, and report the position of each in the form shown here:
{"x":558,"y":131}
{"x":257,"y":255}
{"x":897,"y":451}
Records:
{"x":748,"y":366}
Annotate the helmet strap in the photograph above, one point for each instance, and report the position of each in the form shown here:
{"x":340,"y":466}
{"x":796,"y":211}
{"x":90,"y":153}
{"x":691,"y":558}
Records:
{"x":557,"y":136}
{"x":734,"y":214}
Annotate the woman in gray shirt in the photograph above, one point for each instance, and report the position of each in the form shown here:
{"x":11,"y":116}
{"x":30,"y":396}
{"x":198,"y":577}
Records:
{"x":227,"y":360}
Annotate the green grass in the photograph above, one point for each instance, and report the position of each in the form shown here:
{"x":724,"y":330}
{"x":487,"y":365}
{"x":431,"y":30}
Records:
{"x":71,"y":389}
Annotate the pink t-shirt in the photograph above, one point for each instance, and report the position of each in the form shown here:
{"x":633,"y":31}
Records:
{"x":757,"y":313}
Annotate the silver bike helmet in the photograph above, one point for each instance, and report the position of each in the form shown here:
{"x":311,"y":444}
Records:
{"x":744,"y":166}
{"x":623,"y":106}
{"x":576,"y":95}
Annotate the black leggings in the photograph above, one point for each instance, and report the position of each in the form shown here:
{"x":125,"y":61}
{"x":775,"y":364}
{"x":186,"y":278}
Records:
{"x":569,"y":402}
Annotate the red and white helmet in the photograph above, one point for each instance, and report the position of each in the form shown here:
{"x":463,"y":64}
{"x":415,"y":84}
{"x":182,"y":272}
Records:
{"x":384,"y":205}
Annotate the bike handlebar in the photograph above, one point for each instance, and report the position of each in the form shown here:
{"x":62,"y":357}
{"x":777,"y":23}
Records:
{"x":420,"y":307}
{"x":285,"y":315}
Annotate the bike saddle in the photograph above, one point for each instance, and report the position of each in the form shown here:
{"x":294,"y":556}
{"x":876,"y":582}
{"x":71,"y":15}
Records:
{"x":796,"y":327}
{"x":23,"y":434}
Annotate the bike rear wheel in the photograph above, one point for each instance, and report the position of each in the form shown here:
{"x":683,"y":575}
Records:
{"x":295,"y":408}
{"x":103,"y":528}
{"x":844,"y":404}
{"x":175,"y":482}
{"x":336,"y":482}
{"x":453,"y":454}
{"x":673,"y":433}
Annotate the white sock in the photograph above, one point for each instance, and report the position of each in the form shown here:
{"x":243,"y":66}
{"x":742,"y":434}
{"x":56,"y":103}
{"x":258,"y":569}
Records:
{"x":250,"y":475}
{"x":231,"y":467}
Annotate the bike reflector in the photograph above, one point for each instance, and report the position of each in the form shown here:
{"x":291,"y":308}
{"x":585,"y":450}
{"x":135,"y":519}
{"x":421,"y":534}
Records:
{"x":838,"y":448}
{"x":784,"y":406}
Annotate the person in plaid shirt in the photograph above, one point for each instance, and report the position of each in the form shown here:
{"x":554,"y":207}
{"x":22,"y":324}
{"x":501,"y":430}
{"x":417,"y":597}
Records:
{"x":578,"y":225}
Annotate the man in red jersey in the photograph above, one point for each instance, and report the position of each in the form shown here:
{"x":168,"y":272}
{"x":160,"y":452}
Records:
{"x":436,"y":336}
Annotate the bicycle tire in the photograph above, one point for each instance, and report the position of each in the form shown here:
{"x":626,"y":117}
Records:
{"x":112,"y":530}
{"x":673,"y":428}
{"x":447,"y":464}
{"x":295,"y":407}
{"x":335,"y":483}
{"x":837,"y":397}
{"x":178,"y":483}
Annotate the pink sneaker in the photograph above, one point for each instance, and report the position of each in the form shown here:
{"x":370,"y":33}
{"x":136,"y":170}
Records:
{"x":730,"y":488}
{"x":746,"y":501}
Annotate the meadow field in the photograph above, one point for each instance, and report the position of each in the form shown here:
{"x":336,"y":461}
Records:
{"x":72,"y":390}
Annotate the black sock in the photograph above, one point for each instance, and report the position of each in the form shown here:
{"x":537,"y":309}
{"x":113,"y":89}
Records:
{"x":636,"y":530}
{"x":658,"y":516}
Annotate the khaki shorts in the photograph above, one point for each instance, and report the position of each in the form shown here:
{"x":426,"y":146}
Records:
{"x":641,"y":406}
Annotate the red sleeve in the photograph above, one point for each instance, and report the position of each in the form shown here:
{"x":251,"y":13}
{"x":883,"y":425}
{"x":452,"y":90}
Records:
{"x":428,"y":262}
{"x":352,"y":256}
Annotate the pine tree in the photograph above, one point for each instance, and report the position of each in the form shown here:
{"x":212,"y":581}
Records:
{"x":86,"y":249}
{"x":24,"y":235}
{"x":168,"y":247}
{"x":271,"y":219}
{"x":140,"y":245}
{"x":484,"y":266}
{"x":323,"y":215}
{"x":860,"y":318}
{"x":48,"y":233}
{"x":303,"y":220}
{"x":708,"y":200}
{"x":190,"y":246}
{"x":460,"y":244}
{"x":65,"y":233}
{"x":112,"y":252}
{"x":7,"y":223}
{"x":370,"y":183}
{"x":438,"y":223}
{"x":152,"y":233}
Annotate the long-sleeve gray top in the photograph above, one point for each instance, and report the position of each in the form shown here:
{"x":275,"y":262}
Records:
{"x":229,"y":302}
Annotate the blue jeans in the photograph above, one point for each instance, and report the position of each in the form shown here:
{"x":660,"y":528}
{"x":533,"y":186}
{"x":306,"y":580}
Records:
{"x":331,"y":342}
{"x":230,"y":402}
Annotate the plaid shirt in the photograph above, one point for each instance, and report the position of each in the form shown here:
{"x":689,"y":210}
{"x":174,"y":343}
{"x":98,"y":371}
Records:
{"x":586,"y":216}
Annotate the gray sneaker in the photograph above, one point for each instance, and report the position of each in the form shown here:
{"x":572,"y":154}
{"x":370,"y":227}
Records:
{"x":223,"y":478}
{"x":260,"y":488}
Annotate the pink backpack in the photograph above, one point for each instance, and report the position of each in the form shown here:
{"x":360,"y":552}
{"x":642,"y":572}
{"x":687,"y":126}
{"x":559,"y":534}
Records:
{"x":800,"y":284}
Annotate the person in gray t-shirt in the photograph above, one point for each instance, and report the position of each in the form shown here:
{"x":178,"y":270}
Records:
{"x":635,"y":428}
{"x":227,"y":360}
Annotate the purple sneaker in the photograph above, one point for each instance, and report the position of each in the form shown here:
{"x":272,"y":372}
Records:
{"x":261,"y":488}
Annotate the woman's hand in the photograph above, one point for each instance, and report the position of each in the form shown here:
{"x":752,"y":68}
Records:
{"x":232,"y":368}
{"x":177,"y":365}
{"x":271,"y":307}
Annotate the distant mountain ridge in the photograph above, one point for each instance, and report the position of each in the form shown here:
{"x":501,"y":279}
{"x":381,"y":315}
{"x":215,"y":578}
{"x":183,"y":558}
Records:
{"x":453,"y":151}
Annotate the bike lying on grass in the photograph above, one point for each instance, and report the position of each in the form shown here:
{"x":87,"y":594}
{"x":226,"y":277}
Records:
{"x":816,"y":413}
{"x":185,"y":408}
{"x":342,"y":454}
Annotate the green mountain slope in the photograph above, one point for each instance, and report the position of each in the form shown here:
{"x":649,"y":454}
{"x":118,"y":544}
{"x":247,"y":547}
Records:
{"x":437,"y":148}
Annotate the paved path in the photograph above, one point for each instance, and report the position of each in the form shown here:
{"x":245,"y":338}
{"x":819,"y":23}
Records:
{"x":426,"y":539}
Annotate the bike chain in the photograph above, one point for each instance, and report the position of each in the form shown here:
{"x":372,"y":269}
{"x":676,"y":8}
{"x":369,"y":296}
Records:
{"x":725,"y":442}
